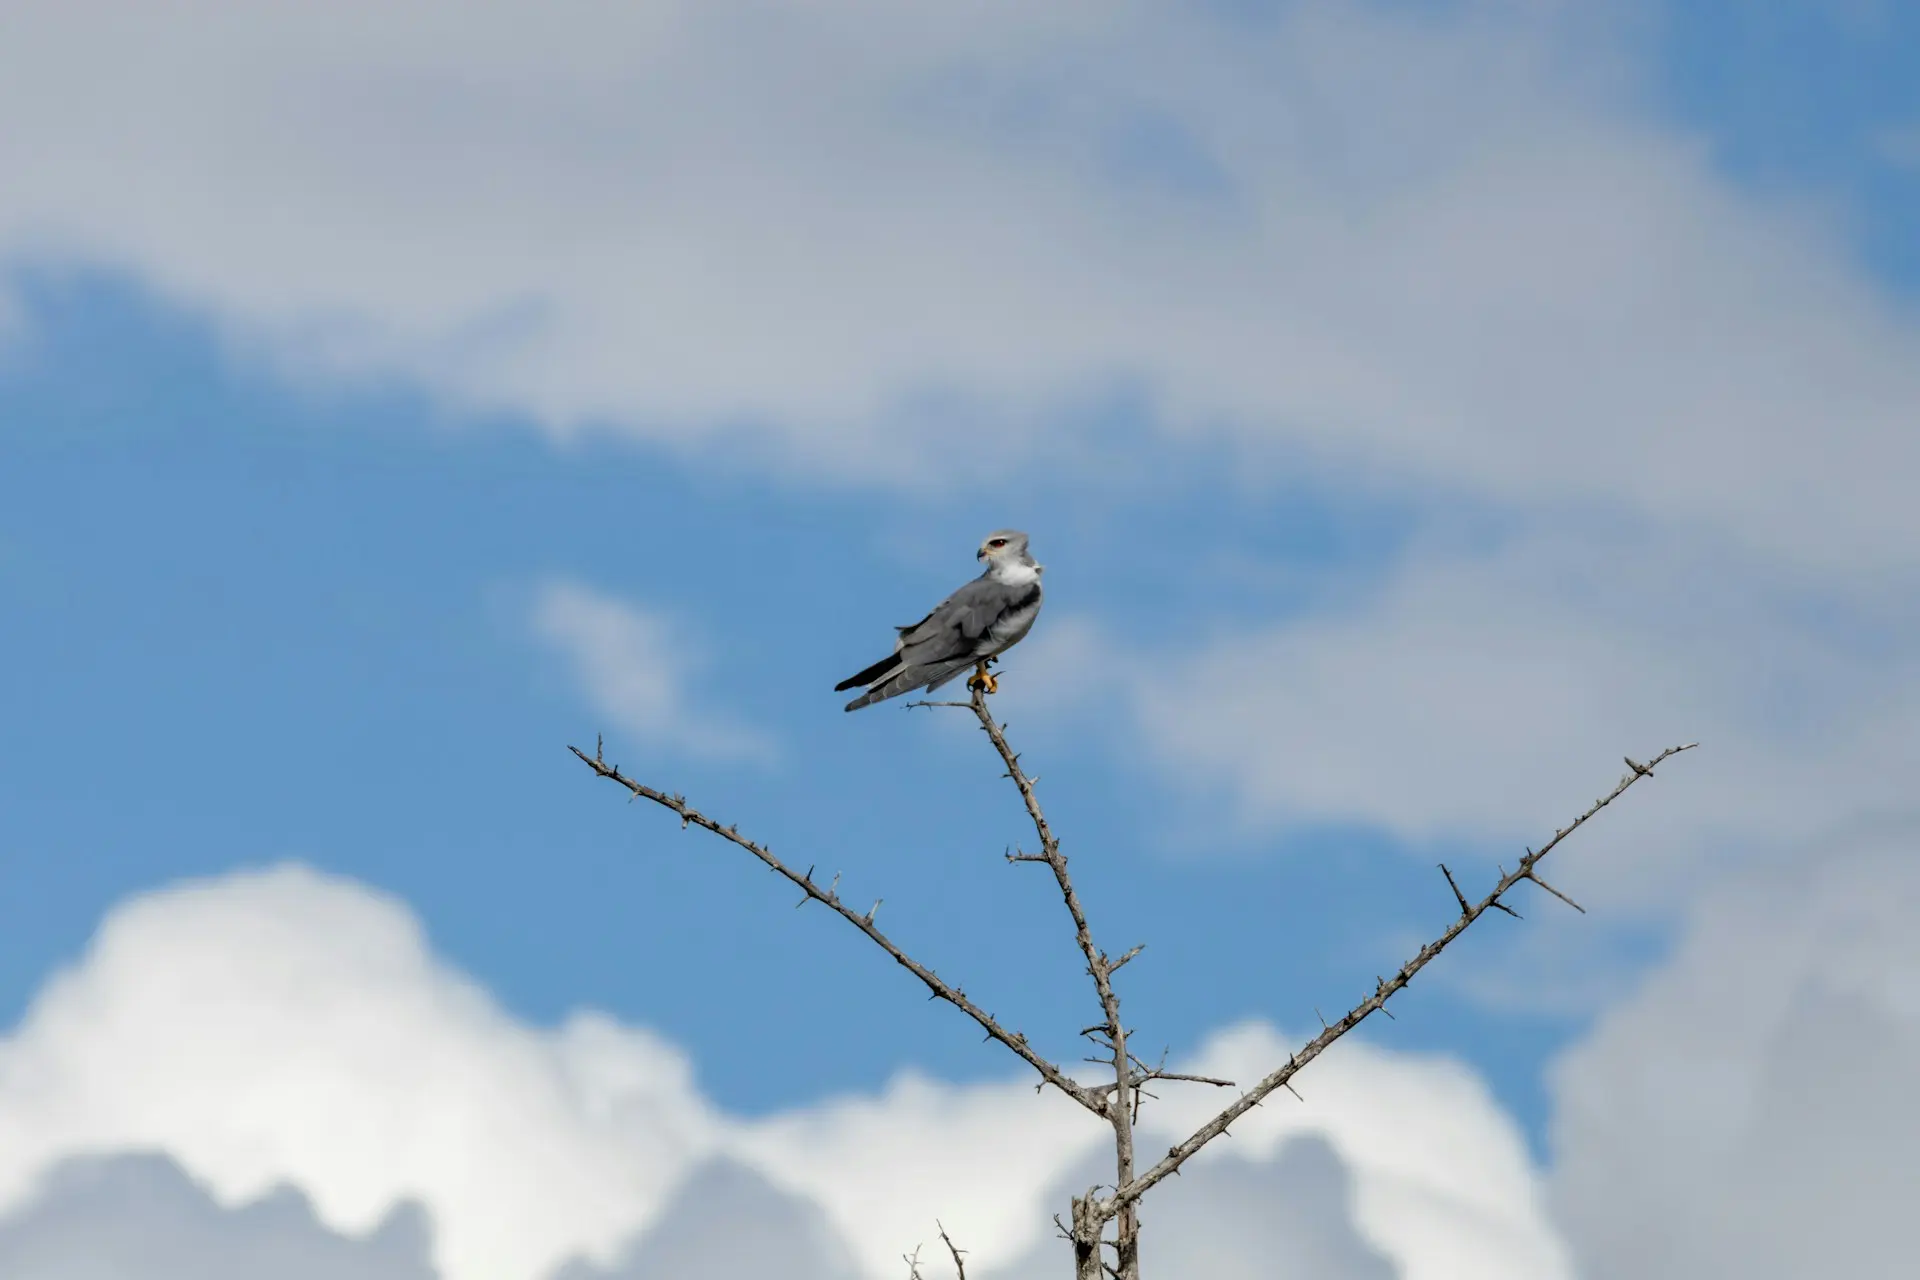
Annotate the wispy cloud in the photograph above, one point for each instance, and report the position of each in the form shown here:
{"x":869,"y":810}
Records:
{"x":1446,"y":247}
{"x":1487,"y":696}
{"x":636,"y":667}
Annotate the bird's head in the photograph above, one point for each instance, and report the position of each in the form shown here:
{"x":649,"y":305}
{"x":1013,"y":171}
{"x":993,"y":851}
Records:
{"x":1004,"y":547}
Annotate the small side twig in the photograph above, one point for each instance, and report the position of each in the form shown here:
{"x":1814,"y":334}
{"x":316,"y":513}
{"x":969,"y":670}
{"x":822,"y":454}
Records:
{"x":958,"y":1255}
{"x":1556,"y":893}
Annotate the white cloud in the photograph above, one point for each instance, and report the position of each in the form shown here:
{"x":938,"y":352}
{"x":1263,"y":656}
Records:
{"x":108,"y":1218}
{"x":287,"y":1027}
{"x":1442,"y":1182}
{"x":1490,"y":697}
{"x":1747,"y":1109}
{"x":1232,"y":1219}
{"x":634,"y":667}
{"x":284,"y":1026}
{"x":725,"y":1221}
{"x":1436,"y":246}
{"x":1750,"y":1111}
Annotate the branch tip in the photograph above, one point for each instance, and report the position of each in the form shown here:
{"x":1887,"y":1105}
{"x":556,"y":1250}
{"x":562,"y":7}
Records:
{"x":1555,"y":892}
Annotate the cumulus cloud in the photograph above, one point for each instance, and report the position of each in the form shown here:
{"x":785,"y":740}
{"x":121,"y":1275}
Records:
{"x":727,"y":1222}
{"x":110,"y":1217}
{"x":1289,"y":1217}
{"x":1440,"y":1181}
{"x":1750,"y":1110}
{"x":1447,"y":246}
{"x":635,"y":666}
{"x":285,"y":1029}
{"x":317,"y":1096}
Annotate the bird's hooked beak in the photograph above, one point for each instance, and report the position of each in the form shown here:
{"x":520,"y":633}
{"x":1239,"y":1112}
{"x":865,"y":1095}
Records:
{"x":981,"y":554}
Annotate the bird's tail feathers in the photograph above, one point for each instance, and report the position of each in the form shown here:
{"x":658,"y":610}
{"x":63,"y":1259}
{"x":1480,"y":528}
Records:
{"x":911,"y":678}
{"x":952,"y":671}
{"x":877,"y":671}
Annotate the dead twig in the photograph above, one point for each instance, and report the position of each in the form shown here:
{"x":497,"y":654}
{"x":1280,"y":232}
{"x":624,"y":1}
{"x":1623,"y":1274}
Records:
{"x":958,"y":1255}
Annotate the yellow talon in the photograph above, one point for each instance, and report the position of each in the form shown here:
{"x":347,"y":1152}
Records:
{"x":982,"y":679}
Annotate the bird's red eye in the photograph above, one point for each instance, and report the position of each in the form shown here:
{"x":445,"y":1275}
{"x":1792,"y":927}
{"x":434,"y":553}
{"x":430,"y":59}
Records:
{"x":998,"y":542}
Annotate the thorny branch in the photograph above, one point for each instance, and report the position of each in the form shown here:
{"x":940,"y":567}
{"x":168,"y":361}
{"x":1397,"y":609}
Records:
{"x":1384,"y":989}
{"x":863,"y":921}
{"x":1126,"y":1089}
{"x":1118,"y":1102}
{"x":1111,"y":1034}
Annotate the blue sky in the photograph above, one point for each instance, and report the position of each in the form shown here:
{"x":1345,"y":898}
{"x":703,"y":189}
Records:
{"x":1416,"y":408}
{"x":280,"y":600}
{"x":1808,"y":100}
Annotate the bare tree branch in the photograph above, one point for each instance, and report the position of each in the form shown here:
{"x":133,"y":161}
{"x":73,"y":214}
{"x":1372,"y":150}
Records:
{"x":1124,"y":1091}
{"x":1148,"y":1074}
{"x":959,"y":1267}
{"x":1118,"y":1102}
{"x":830,"y":898}
{"x":1130,"y":1192}
{"x":913,"y":1259}
{"x":1157,"y":1074}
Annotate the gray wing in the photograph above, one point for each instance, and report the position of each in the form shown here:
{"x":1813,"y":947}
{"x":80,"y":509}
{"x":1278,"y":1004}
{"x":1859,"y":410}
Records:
{"x":977,"y":621}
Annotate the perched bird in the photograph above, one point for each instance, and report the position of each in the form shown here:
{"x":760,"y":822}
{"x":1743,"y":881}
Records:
{"x":981,"y":620}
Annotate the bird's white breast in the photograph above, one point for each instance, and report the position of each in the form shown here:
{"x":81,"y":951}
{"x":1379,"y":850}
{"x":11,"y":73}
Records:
{"x":1016,"y":575}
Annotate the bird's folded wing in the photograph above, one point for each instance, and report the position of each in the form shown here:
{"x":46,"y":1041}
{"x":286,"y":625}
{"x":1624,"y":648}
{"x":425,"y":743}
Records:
{"x":954,"y":628}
